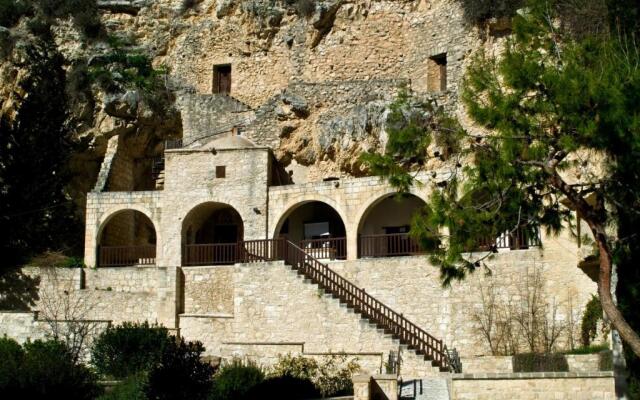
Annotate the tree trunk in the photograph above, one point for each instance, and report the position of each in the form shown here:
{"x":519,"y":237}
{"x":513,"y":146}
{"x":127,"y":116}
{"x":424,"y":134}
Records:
{"x":596,"y":220}
{"x":616,"y":318}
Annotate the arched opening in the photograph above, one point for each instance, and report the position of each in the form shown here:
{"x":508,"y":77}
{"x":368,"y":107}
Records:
{"x":128,"y":237}
{"x":384,"y":228}
{"x":317,"y":228}
{"x":210,"y":235}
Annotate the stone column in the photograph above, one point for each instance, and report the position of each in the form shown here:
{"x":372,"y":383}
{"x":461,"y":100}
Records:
{"x":352,"y":243}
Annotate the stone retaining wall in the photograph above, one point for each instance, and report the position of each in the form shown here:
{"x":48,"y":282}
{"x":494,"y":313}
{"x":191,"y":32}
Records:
{"x":275,"y":311}
{"x":530,"y":386}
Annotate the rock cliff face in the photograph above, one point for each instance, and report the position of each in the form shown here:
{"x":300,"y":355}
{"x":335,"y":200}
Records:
{"x":311,"y":79}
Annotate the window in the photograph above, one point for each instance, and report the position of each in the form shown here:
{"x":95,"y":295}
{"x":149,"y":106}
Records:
{"x":222,"y":79}
{"x":221,"y":171}
{"x":437,"y":73}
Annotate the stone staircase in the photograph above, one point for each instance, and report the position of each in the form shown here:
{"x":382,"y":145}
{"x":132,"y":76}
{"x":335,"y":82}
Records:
{"x":408,"y":335}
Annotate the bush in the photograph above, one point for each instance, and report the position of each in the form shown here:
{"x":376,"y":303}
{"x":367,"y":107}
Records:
{"x":43,"y":370}
{"x":605,"y":361}
{"x":180,"y":374}
{"x":533,"y":362}
{"x":234,"y":380}
{"x":129,"y":349}
{"x":131,"y":388}
{"x":589,"y":327}
{"x":11,"y":11}
{"x":12,"y":357}
{"x":592,"y":349}
{"x":332,"y":377}
{"x":283,"y":388}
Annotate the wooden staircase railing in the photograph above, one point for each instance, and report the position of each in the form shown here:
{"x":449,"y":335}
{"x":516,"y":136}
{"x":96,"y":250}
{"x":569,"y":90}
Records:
{"x":383,"y":316}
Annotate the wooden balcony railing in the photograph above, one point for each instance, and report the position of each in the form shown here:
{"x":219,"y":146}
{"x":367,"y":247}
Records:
{"x":120,"y":256}
{"x":519,"y":239}
{"x":390,"y":245}
{"x":230,"y":253}
{"x":329,"y":248}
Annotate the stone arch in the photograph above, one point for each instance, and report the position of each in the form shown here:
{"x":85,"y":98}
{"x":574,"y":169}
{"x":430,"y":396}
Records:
{"x":301,"y":200}
{"x":209,"y":233}
{"x":384,"y":223}
{"x":315,"y":225}
{"x":126,"y":236}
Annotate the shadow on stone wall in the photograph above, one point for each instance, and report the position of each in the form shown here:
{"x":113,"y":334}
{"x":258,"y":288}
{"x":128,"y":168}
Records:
{"x":18,"y":291}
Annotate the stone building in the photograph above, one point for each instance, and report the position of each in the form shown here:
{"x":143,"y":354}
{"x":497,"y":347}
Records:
{"x":202,"y":235}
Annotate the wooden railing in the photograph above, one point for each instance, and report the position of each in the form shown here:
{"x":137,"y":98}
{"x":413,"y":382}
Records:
{"x":518,"y":239}
{"x":210,"y":254}
{"x":329,"y":248}
{"x":370,"y":307}
{"x":120,"y":256}
{"x":388,"y":245}
{"x":230,"y":253}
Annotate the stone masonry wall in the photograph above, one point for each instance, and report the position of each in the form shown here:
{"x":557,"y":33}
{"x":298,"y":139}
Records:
{"x":273,"y":306}
{"x":411,"y":285}
{"x":99,"y":297}
{"x":107,"y":294}
{"x":208,"y":114}
{"x":208,"y":290}
{"x":367,"y":40}
{"x":190,"y":180}
{"x":533,"y":386}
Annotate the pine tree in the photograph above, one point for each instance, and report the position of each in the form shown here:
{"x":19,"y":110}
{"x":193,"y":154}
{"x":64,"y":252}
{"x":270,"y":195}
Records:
{"x":557,"y":101}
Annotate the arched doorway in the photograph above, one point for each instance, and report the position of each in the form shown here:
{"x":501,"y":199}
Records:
{"x":384,"y":228}
{"x":317,"y":228}
{"x":210,"y":234}
{"x":127,"y":238}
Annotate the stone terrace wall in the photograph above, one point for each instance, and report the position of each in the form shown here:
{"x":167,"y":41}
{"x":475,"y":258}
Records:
{"x":411,"y":285}
{"x":108,"y":294}
{"x":276,"y":311}
{"x":504,"y":364}
{"x":534,"y":386}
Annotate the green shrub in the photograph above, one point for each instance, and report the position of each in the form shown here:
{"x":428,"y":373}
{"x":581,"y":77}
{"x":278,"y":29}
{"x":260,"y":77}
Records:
{"x":589,"y":327}
{"x":129,"y":348}
{"x":11,"y":11}
{"x":43,"y":370}
{"x":283,"y":388}
{"x":533,"y":362}
{"x":592,"y":349}
{"x":605,"y":361}
{"x":235,"y":379}
{"x":332,"y":376}
{"x":12,"y":357}
{"x":180,"y":374}
{"x":131,"y":388}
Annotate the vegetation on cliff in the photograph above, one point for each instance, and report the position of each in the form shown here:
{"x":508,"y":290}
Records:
{"x":52,"y":106}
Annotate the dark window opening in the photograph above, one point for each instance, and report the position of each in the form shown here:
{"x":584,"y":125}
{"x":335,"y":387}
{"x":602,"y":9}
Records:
{"x":437,"y":73}
{"x":222,"y":79}
{"x":221,"y":171}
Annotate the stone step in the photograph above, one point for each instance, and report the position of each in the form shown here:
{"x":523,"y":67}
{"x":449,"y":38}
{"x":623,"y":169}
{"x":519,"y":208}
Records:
{"x":431,"y":388}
